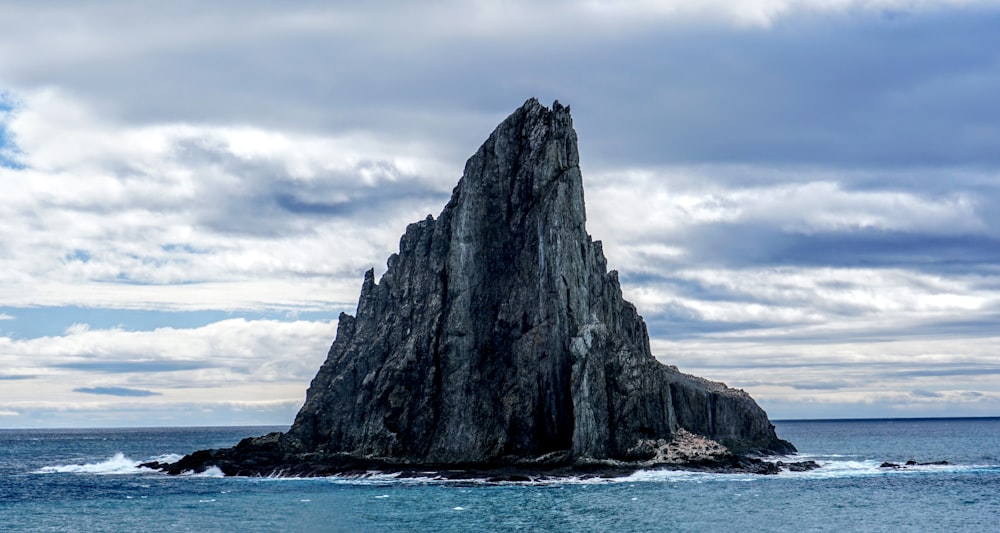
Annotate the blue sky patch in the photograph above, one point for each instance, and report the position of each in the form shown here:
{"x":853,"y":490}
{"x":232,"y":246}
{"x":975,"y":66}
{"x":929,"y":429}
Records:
{"x":8,"y":150}
{"x":117,"y":391}
{"x":182,"y":248}
{"x":78,"y":255}
{"x":128,"y":367}
{"x":33,"y":322}
{"x":804,"y":196}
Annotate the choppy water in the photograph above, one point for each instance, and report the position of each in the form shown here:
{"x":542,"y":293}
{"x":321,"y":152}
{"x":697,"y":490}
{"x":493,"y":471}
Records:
{"x":88,"y":480}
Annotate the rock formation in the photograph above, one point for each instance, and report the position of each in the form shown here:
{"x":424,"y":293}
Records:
{"x":497,"y":336}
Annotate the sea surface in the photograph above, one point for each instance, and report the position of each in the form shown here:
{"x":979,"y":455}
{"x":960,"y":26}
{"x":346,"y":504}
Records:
{"x":88,"y":480}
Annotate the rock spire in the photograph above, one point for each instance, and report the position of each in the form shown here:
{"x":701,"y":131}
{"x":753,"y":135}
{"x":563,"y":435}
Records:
{"x":497,"y":336}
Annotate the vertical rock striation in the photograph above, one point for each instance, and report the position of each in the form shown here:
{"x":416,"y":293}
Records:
{"x":497,"y":335}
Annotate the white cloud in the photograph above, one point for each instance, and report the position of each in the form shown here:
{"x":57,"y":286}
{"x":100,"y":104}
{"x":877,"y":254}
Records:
{"x":167,"y":205}
{"x":668,"y":200}
{"x":150,"y":414}
{"x":156,"y":205}
{"x":262,"y":160}
{"x":81,"y":34}
{"x":264,"y":350}
{"x":755,"y":13}
{"x":77,"y":329}
{"x":825,"y":206}
{"x":849,"y":374}
{"x":260,"y":366}
{"x":59,"y":133}
{"x":858,"y":292}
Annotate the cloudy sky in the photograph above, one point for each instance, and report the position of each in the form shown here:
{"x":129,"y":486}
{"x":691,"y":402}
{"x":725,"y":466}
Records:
{"x":802,"y":196}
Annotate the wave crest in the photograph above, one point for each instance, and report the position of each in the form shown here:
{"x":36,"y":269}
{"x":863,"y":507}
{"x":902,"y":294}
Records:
{"x":117,"y":464}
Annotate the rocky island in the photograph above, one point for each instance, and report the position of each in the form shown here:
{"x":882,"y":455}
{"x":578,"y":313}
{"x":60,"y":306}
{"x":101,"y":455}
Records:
{"x":497,"y":343}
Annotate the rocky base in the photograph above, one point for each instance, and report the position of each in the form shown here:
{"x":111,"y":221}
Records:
{"x":497,"y":335}
{"x":497,"y":343}
{"x":908,"y":464}
{"x":323,"y":466}
{"x":266,"y":457}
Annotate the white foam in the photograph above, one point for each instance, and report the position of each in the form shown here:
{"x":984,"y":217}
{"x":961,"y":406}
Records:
{"x":117,"y":464}
{"x":831,"y":466}
{"x":167,"y":458}
{"x":811,"y":457}
{"x":382,"y":478}
{"x":677,"y":476}
{"x":212,"y":471}
{"x":830,"y":469}
{"x":839,"y":469}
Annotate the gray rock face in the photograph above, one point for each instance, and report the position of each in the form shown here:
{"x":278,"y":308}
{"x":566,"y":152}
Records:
{"x":497,"y":335}
{"x":498,"y":340}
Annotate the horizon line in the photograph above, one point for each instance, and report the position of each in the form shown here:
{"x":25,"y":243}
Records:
{"x":272,"y":426}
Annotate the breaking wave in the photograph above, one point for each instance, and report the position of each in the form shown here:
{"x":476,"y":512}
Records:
{"x":831,"y":467}
{"x":213,"y":471}
{"x":117,"y":464}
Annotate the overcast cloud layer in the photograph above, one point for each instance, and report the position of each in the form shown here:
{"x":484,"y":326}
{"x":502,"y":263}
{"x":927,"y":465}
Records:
{"x":802,"y":197}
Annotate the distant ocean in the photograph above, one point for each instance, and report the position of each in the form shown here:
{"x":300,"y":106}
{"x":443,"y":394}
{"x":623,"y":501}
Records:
{"x":88,"y":480}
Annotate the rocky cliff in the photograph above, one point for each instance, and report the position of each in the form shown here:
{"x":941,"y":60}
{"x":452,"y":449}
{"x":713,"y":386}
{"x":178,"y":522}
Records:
{"x":497,"y":336}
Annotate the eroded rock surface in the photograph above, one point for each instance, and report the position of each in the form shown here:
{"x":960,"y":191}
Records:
{"x":497,"y":336}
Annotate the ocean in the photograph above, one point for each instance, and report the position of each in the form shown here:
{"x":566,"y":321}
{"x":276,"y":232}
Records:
{"x":88,"y":480}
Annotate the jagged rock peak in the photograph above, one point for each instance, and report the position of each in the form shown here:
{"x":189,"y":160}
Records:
{"x":498,"y":336}
{"x":468,"y":327}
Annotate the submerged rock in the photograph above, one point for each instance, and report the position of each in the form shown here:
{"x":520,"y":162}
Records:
{"x":498,"y":337}
{"x":910,"y":463}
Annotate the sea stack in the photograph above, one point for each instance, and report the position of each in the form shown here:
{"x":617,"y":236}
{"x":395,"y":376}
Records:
{"x":498,"y":337}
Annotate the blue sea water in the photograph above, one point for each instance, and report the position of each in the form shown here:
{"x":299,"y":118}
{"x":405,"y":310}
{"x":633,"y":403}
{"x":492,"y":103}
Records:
{"x":88,"y":480}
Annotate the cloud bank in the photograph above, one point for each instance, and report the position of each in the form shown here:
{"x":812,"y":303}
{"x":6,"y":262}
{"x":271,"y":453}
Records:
{"x":801,"y":197}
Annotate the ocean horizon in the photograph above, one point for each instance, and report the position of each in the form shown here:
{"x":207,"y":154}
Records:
{"x":278,"y":427}
{"x":89,"y":479}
